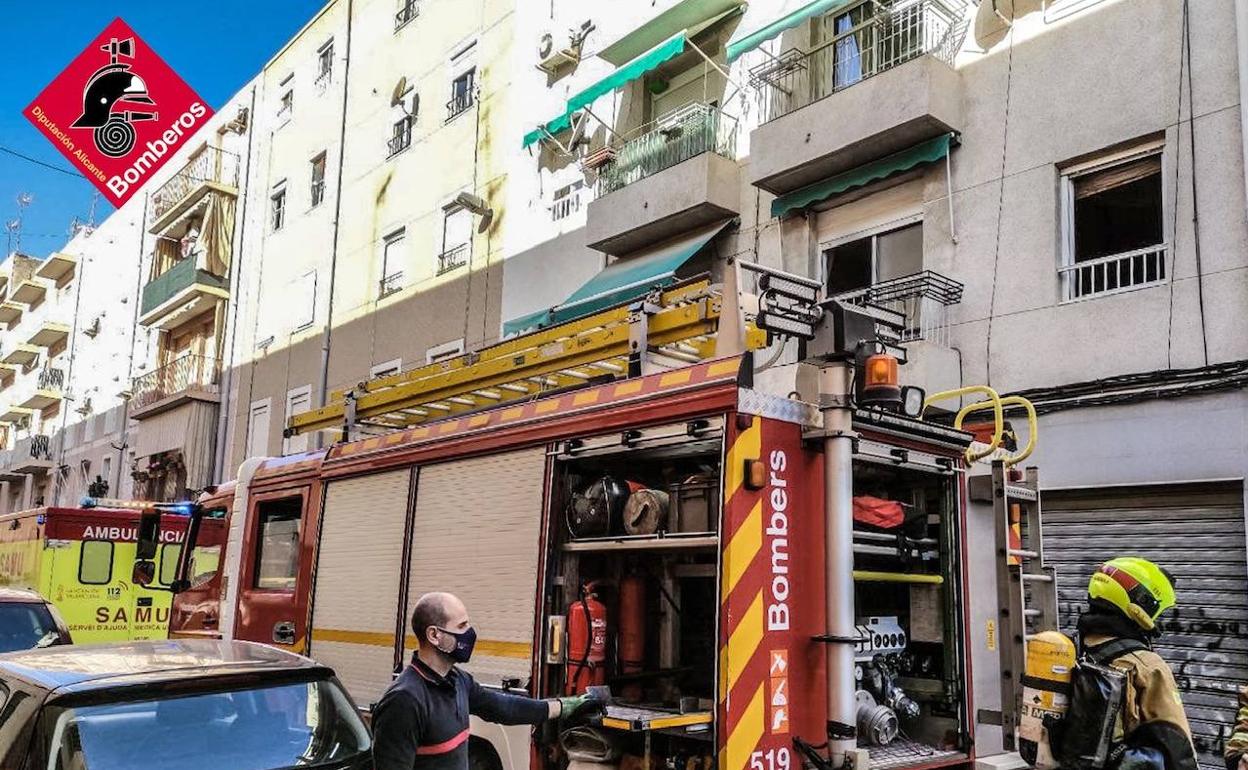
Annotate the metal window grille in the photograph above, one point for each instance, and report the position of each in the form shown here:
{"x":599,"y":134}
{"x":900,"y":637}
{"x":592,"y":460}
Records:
{"x":408,"y":10}
{"x":453,"y":258}
{"x":401,"y":136}
{"x":678,"y":136}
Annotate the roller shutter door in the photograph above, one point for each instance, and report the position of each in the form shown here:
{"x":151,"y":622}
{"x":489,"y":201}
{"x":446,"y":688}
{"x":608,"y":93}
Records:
{"x":476,"y":534}
{"x":1197,"y":532}
{"x":358,"y":574}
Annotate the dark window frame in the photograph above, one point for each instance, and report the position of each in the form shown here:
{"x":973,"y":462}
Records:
{"x":82,"y":559}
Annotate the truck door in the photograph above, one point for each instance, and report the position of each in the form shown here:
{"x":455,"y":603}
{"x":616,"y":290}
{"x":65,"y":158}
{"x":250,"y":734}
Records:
{"x":276,"y":571}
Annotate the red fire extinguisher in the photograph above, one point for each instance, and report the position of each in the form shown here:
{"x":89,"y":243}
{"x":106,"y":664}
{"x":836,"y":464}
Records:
{"x":632,"y":635}
{"x":587,"y":641}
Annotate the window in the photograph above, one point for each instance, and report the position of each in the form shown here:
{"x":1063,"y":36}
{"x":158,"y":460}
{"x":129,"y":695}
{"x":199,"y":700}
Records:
{"x":95,"y":564}
{"x":392,"y":262}
{"x":408,"y":9}
{"x":1113,"y":232}
{"x":324,"y":64}
{"x":277,"y":557}
{"x":400,"y":135}
{"x":444,"y":351}
{"x":567,"y":200}
{"x":205,"y":560}
{"x":461,"y":94}
{"x":278,"y":207}
{"x":298,"y":401}
{"x":858,"y":264}
{"x":258,"y":429}
{"x":318,"y":180}
{"x":386,"y":369}
{"x":303,"y":301}
{"x":456,"y":238}
{"x":286,"y":106}
{"x":169,"y":555}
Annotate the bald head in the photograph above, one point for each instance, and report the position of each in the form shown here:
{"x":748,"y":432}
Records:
{"x":439,"y":610}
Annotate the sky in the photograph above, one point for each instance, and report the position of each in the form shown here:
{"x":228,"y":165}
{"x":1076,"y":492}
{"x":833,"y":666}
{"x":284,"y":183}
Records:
{"x":215,"y":46}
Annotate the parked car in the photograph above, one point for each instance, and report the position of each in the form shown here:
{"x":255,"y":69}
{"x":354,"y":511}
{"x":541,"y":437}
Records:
{"x":186,"y":704}
{"x":28,"y":621}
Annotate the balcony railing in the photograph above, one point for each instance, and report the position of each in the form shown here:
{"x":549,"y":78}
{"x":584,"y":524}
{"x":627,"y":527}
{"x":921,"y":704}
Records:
{"x":871,"y":41}
{"x":210,"y":165}
{"x":51,"y":379}
{"x":453,"y":258}
{"x":459,"y":104}
{"x":1115,"y":273}
{"x":675,"y":137}
{"x":41,"y":447}
{"x":401,"y":137}
{"x":408,"y":10}
{"x":167,"y":285}
{"x":564,"y":207}
{"x":922,"y":298}
{"x":390,"y":284}
{"x":189,"y":372}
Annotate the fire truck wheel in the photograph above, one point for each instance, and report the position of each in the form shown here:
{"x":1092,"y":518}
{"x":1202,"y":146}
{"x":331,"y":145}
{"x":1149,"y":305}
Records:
{"x":482,"y":756}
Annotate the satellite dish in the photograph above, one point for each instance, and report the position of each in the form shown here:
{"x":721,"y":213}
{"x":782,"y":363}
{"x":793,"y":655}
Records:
{"x":545,"y":45}
{"x":400,"y":88}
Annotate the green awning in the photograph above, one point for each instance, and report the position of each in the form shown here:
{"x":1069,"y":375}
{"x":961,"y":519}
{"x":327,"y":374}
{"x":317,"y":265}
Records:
{"x":691,"y":15}
{"x":929,"y":151}
{"x":625,"y":279}
{"x":663,"y":52}
{"x":763,"y":21}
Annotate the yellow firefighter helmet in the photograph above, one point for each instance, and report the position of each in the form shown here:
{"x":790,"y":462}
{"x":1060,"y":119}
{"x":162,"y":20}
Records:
{"x":1138,"y":588}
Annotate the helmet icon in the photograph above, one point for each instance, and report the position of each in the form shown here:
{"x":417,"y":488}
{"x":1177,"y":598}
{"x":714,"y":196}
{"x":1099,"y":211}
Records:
{"x":111,"y":84}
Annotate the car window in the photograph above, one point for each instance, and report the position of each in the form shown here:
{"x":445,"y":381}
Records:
{"x":95,"y":566}
{"x":255,"y":729}
{"x":205,"y":560}
{"x":24,"y":625}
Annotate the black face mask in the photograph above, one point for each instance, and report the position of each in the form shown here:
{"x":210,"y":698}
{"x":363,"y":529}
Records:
{"x":464,"y":642}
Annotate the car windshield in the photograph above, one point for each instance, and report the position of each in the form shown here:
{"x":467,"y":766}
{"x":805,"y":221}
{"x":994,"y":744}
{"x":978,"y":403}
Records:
{"x":293,"y":725}
{"x":24,"y":625}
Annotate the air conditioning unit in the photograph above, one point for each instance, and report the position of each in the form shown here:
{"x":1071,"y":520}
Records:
{"x":553,"y":55}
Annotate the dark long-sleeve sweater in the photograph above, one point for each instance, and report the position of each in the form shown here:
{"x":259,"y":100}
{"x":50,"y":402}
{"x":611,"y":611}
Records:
{"x":421,"y":723}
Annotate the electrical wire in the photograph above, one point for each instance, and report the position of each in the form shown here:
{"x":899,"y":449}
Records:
{"x":37,"y":162}
{"x":996,"y":252}
{"x":1140,"y":386}
{"x":1191,"y":136}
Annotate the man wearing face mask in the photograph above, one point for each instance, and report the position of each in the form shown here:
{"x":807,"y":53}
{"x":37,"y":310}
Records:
{"x":421,"y":722}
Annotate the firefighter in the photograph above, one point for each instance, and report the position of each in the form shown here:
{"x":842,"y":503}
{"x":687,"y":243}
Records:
{"x":1237,"y":746}
{"x":422,"y":719}
{"x":1126,"y":597}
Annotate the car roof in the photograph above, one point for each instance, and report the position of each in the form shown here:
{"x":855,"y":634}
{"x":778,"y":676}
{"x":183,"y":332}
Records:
{"x":21,"y":595}
{"x":78,"y":668}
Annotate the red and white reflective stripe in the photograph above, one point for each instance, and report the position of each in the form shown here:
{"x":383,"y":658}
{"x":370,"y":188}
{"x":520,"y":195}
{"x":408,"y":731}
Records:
{"x":444,"y":747}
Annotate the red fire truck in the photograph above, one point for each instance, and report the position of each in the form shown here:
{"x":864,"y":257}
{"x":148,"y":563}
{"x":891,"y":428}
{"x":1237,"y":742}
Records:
{"x":753,"y":576}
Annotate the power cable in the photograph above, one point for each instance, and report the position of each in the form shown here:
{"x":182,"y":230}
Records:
{"x":38,"y":162}
{"x":996,"y":253}
{"x":1191,"y":136}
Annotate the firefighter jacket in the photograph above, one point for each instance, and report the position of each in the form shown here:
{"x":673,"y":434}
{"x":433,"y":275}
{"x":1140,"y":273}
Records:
{"x":1237,"y":746}
{"x":1152,"y":711}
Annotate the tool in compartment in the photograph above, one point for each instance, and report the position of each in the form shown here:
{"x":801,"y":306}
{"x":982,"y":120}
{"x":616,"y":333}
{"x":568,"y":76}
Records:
{"x":646,"y":512}
{"x":587,"y":641}
{"x":596,"y":511}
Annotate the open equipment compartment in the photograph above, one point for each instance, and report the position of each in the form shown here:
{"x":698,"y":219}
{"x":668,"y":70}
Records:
{"x":632,"y":580}
{"x":909,"y":670}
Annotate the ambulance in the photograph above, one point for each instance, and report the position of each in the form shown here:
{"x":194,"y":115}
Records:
{"x":82,"y":560}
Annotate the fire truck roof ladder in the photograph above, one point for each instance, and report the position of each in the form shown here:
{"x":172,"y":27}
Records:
{"x":675,"y":326}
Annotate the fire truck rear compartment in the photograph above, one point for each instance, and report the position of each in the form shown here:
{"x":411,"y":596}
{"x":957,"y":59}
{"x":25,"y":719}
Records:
{"x":634,"y":528}
{"x":908,"y":660}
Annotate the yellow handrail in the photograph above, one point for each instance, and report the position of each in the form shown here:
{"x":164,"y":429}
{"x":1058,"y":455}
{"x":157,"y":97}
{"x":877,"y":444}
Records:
{"x":994,"y":400}
{"x":1008,"y":401}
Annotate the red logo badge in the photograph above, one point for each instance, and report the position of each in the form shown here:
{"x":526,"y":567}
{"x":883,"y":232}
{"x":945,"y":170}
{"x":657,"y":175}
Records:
{"x":118,"y":112}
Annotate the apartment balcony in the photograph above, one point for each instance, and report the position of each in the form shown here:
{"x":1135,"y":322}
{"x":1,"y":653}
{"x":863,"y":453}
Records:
{"x":20,"y":354}
{"x":188,"y":378}
{"x":57,"y":268}
{"x":16,"y":415}
{"x":48,"y":389}
{"x":32,"y":455}
{"x":670,"y":176}
{"x":8,"y":375}
{"x":875,"y":89}
{"x":181,"y":292}
{"x":211,"y":170}
{"x":11,"y":314}
{"x":48,"y":334}
{"x":29,"y":292}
